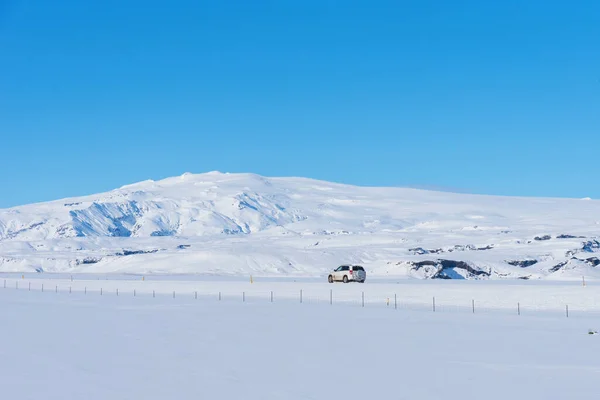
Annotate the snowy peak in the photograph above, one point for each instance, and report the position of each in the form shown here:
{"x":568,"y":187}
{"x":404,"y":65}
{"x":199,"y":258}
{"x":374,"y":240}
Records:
{"x":191,"y":205}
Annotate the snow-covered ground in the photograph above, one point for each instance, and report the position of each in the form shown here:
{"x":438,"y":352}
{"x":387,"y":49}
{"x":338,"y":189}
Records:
{"x":241,"y":224}
{"x":65,"y":346}
{"x":493,"y":296}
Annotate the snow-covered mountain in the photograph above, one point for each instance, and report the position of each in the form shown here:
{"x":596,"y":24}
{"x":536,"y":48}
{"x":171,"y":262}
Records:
{"x":243,"y":223}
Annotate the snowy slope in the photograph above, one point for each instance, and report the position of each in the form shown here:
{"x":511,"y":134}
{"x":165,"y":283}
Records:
{"x":243,"y":223}
{"x":75,"y":346}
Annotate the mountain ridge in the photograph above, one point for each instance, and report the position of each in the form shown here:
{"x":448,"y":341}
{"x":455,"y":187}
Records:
{"x":270,"y":226}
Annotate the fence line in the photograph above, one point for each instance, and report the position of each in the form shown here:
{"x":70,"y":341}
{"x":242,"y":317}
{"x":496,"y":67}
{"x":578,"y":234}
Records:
{"x":269,"y":296}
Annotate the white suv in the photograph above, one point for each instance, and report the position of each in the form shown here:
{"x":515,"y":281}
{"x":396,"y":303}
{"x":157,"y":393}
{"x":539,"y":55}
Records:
{"x":347,"y":273}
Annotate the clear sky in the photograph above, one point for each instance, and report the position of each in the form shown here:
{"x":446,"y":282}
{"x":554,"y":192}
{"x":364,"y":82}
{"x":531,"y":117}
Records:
{"x":498,"y":97}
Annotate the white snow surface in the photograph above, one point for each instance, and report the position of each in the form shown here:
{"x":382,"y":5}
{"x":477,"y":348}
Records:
{"x":242,"y":224}
{"x":58,"y":345}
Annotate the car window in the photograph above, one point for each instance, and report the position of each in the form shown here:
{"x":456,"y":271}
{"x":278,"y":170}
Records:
{"x":358,"y":268}
{"x":345,"y":268}
{"x":338,"y":269}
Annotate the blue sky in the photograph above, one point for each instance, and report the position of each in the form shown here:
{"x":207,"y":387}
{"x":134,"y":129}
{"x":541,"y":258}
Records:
{"x":485,"y":97}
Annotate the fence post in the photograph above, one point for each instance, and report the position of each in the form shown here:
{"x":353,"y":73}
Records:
{"x":42,"y":287}
{"x":473,"y":303}
{"x":395,"y":302}
{"x":133,"y":292}
{"x":196,"y":295}
{"x":69,"y":289}
{"x":117,"y":291}
{"x":219,"y":296}
{"x":330,"y":296}
{"x":363,"y":299}
{"x":153,"y":294}
{"x":567,"y":306}
{"x":85,"y":290}
{"x":100,"y":291}
{"x":271,"y":296}
{"x":434,"y":304}
{"x":17,"y":285}
{"x":56,"y":289}
{"x":244,"y":296}
{"x":518,"y":308}
{"x":5,"y":284}
{"x":29,"y":287}
{"x":300,"y":295}
{"x":173,"y":294}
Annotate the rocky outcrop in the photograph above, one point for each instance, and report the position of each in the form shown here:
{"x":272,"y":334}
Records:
{"x":461,"y":265}
{"x":559,"y":266}
{"x":134,"y":252}
{"x":450,"y":269}
{"x":593,"y":261}
{"x":591,"y":246}
{"x":88,"y":260}
{"x":420,"y":264}
{"x":421,"y":251}
{"x":522,"y":263}
{"x":459,"y":247}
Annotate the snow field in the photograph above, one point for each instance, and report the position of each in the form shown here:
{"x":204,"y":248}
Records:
{"x":92,"y":347}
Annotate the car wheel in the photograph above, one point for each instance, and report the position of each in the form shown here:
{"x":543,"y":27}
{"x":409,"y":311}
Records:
{"x":330,"y":279}
{"x":345,"y":279}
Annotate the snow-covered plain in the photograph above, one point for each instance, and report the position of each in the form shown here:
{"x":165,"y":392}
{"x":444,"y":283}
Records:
{"x":64,"y":346}
{"x":242,"y":224}
{"x":490,"y":296}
